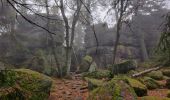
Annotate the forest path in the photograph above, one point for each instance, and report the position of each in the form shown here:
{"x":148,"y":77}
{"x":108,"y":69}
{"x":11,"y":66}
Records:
{"x":77,"y":89}
{"x":73,"y":89}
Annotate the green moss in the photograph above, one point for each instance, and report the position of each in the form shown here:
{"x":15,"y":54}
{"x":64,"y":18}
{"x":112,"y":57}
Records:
{"x":117,"y":92}
{"x":153,"y":98}
{"x":124,"y":67}
{"x":99,"y":74}
{"x":140,"y":89}
{"x":88,"y":58}
{"x":150,"y":83}
{"x":93,"y":83}
{"x":113,"y":90}
{"x":166,"y":72}
{"x":85,"y":64}
{"x":157,"y":75}
{"x":30,"y":84}
{"x":101,"y":93}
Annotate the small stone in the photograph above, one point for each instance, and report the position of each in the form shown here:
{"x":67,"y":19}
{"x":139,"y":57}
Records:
{"x":61,"y":88}
{"x":68,"y":93}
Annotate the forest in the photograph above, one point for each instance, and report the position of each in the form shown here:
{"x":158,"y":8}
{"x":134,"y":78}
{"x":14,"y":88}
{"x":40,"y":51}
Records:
{"x":84,"y":49}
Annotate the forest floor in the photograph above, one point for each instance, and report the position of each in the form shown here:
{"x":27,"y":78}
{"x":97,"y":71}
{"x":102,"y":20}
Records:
{"x":77,"y":89}
{"x":70,"y":89}
{"x":159,"y":92}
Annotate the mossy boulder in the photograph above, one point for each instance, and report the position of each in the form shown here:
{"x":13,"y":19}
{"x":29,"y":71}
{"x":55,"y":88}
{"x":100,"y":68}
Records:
{"x":93,"y":83}
{"x":140,"y":89}
{"x":99,"y":74}
{"x":116,"y":89}
{"x":24,"y":84}
{"x":166,"y":72}
{"x":85,"y":64}
{"x":93,"y":67}
{"x":124,"y":67}
{"x":152,"y":98}
{"x":150,"y":83}
{"x":157,"y":75}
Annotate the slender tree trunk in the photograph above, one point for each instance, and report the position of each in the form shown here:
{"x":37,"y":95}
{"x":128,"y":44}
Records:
{"x":118,"y":28}
{"x":69,"y":33}
{"x":144,"y":52}
{"x":53,"y":42}
{"x":68,"y":60}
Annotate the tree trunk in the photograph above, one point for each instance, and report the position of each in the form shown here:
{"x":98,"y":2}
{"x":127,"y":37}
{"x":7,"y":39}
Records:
{"x":146,"y":71}
{"x":144,"y":52}
{"x":59,"y":71}
{"x":68,"y":60}
{"x":118,"y":27}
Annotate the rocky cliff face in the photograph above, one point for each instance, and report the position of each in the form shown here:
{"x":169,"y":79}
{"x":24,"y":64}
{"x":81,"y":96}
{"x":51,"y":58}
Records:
{"x":129,"y":44}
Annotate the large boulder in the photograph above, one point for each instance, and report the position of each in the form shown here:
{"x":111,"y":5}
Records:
{"x":166,"y":72}
{"x":93,"y":83}
{"x":85,"y":64}
{"x":24,"y":84}
{"x":99,"y":74}
{"x":157,"y":75}
{"x":93,"y":67}
{"x":116,"y":89}
{"x":140,"y":89}
{"x":150,"y":83}
{"x":124,"y":67}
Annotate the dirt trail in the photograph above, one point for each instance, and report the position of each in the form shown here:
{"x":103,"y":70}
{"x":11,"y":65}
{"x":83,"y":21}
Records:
{"x":75,"y":89}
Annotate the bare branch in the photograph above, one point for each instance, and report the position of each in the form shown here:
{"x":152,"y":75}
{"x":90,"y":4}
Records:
{"x":27,"y":18}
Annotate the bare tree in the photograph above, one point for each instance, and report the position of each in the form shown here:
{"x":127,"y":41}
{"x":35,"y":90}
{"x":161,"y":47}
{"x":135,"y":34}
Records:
{"x":120,"y":8}
{"x":58,"y":67}
{"x":70,"y":31}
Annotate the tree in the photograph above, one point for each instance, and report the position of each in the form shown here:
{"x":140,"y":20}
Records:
{"x":122,"y":11}
{"x":59,"y":71}
{"x":164,"y":43}
{"x":145,"y":26}
{"x":70,"y":31}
